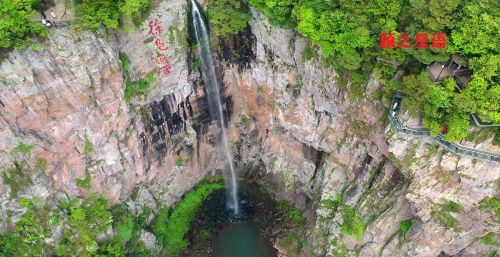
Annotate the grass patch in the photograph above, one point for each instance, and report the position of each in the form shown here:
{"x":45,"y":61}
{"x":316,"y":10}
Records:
{"x":181,"y":160}
{"x":245,"y":119}
{"x":292,"y":243}
{"x":294,"y":214}
{"x":16,"y":178}
{"x":489,"y":239}
{"x":40,"y":163}
{"x":446,"y":220}
{"x":171,"y":229}
{"x":125,"y":61}
{"x":352,"y":224}
{"x":309,"y":53}
{"x":88,"y":148}
{"x":410,"y":158}
{"x":491,"y":203}
{"x":22,"y":148}
{"x":86,"y":182}
{"x":139,"y":87}
{"x":338,"y":248}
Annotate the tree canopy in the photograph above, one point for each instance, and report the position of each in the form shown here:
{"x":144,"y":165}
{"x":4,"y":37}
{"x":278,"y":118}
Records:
{"x":17,"y":25}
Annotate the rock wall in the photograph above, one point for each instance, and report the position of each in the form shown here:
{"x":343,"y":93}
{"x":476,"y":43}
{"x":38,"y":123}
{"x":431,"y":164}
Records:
{"x":309,"y":141}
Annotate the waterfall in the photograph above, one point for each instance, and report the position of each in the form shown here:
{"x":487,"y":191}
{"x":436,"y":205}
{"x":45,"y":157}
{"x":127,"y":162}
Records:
{"x":214,"y":101}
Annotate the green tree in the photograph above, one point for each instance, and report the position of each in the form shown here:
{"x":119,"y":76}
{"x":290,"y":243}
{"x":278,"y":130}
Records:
{"x":458,"y":124}
{"x":95,"y":13}
{"x":132,"y":6}
{"x":436,"y":15}
{"x":228,"y":17}
{"x":438,"y":104}
{"x":279,"y":12}
{"x":17,"y":26}
{"x":477,"y":31}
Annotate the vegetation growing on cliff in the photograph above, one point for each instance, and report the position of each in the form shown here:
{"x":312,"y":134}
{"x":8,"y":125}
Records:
{"x":228,"y":17}
{"x":170,"y":229}
{"x":81,"y":221}
{"x":139,"y":87}
{"x":107,"y":13}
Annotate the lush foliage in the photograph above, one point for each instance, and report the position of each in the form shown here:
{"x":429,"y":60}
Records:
{"x":352,"y":224}
{"x":139,"y":87}
{"x":17,"y":27}
{"x":171,"y":229}
{"x":97,"y":13}
{"x":279,"y":12}
{"x":28,"y":237}
{"x":82,"y":221}
{"x":228,"y":17}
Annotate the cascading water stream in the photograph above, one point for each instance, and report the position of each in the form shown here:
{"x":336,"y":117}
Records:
{"x":213,"y":96}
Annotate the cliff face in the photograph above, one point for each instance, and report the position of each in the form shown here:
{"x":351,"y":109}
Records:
{"x":310,"y":142}
{"x":66,"y":104}
{"x":293,"y":128}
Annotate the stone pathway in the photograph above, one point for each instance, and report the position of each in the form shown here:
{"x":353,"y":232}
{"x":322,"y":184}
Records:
{"x":423,"y":132}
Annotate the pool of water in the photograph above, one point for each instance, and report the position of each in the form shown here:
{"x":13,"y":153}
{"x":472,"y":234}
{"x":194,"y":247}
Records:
{"x":242,"y":240}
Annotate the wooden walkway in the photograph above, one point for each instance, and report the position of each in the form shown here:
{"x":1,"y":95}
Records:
{"x":423,"y":132}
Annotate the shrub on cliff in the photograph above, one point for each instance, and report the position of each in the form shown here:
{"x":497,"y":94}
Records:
{"x":17,"y":25}
{"x":228,"y":17}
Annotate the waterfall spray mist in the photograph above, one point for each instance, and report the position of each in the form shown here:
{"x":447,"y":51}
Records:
{"x":213,"y":96}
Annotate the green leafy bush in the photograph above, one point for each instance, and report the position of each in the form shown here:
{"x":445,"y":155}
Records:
{"x":294,"y":214}
{"x":95,"y":14}
{"x":228,"y":17}
{"x":140,"y":87}
{"x":171,"y":229}
{"x":352,"y":224}
{"x":22,"y":148}
{"x":292,"y":243}
{"x":404,"y":226}
{"x":84,"y":221}
{"x":86,"y":182}
{"x":17,"y":28}
{"x":279,"y":12}
{"x":28,"y":237}
{"x":125,"y":61}
{"x":181,"y":160}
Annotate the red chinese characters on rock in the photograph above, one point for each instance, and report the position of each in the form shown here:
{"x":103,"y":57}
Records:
{"x":388,"y":40}
{"x":163,"y":61}
{"x":154,"y":27}
{"x":161,"y":58}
